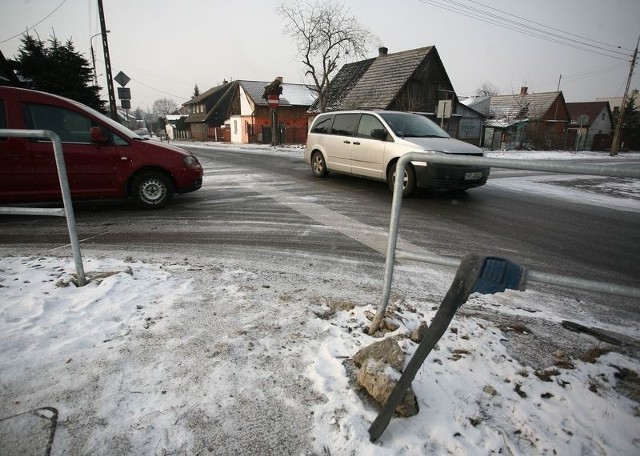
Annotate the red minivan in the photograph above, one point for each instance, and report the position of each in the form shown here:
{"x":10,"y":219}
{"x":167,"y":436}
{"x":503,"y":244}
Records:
{"x":103,"y":158}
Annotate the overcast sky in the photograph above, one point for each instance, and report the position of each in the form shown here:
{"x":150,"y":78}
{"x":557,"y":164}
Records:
{"x":166,"y":47}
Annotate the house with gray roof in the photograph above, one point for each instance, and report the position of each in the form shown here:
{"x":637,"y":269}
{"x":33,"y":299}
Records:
{"x":536,"y":120}
{"x":591,"y":125}
{"x":414,"y":80}
{"x":237,"y":112}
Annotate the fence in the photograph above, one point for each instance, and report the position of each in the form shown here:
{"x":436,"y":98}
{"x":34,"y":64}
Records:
{"x":286,"y":135}
{"x":66,"y":195}
{"x":531,"y":165}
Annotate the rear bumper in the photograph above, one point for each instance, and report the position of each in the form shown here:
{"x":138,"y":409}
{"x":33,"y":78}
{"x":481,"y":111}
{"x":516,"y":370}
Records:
{"x":451,"y":177}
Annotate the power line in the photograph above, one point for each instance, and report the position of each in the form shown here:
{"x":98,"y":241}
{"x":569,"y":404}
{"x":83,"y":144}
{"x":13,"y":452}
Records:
{"x":158,"y":90}
{"x":36,"y":24}
{"x":551,"y":28}
{"x":524,"y":29}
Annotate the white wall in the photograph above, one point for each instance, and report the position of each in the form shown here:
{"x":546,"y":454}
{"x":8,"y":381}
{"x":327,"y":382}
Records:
{"x":235,"y":124}
{"x":246,"y":105}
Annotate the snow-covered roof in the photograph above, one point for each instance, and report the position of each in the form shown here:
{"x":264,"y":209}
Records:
{"x":531,"y":106}
{"x":292,"y":94}
{"x":503,"y":123}
{"x":479,"y":104}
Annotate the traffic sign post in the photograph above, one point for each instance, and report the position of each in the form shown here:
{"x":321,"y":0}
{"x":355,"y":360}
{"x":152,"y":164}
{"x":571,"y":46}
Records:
{"x":124,"y":94}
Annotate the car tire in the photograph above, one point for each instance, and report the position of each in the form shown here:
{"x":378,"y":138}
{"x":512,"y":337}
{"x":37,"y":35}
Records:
{"x":409,"y":184}
{"x":151,"y":190}
{"x":318,"y":164}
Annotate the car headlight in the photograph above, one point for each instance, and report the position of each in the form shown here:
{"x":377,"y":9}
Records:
{"x":190,"y":160}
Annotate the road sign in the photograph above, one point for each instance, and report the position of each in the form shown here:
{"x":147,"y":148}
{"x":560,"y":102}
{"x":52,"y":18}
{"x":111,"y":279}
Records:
{"x":122,"y":79}
{"x":124,"y":93}
{"x":444,"y":109}
{"x":273,"y":100}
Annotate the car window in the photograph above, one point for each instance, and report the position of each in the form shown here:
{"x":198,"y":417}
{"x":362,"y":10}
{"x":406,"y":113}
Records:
{"x":322,"y":125}
{"x":345,"y":124}
{"x":408,"y":125}
{"x":71,"y":126}
{"x":370,"y":127}
{"x":3,"y":119}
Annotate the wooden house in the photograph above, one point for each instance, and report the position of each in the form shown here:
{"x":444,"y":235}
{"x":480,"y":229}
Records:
{"x":591,"y":125}
{"x":535,"y":120}
{"x":413,"y":80}
{"x":236,"y":112}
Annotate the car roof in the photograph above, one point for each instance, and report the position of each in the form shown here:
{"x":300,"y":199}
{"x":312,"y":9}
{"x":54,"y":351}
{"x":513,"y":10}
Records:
{"x":365,"y":111}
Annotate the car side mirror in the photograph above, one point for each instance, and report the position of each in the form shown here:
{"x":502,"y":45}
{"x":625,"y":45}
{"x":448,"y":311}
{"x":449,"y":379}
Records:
{"x":379,"y":133}
{"x":98,"y":136}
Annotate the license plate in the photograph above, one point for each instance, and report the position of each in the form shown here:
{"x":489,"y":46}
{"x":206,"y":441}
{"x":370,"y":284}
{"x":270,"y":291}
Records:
{"x":473,"y":176}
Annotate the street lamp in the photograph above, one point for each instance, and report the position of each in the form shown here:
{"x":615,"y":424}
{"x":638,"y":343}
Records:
{"x":93,"y":57}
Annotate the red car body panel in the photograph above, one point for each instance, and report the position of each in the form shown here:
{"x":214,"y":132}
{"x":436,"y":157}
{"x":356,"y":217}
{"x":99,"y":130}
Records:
{"x":27,"y":167}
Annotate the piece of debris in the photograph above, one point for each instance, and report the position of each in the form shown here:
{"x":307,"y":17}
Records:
{"x":380,"y":365}
{"x":546,"y":375}
{"x":418,"y":333}
{"x":379,"y":379}
{"x":562,"y":360}
{"x":490,"y":390}
{"x":595,"y":332}
{"x":387,"y":350}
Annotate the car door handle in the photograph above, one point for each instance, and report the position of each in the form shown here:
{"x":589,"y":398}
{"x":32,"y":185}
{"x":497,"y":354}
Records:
{"x":356,"y":143}
{"x":346,"y":142}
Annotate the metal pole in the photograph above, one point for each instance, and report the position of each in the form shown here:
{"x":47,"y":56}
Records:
{"x":391,"y":243}
{"x":95,"y":73}
{"x":532,"y":165}
{"x":93,"y":58}
{"x":66,"y":193}
{"x":107,"y":63}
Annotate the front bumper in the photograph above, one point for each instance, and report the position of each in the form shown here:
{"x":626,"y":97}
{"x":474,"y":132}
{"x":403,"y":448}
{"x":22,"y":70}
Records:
{"x":450,"y":177}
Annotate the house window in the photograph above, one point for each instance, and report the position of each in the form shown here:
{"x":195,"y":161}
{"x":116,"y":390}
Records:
{"x":235,"y":127}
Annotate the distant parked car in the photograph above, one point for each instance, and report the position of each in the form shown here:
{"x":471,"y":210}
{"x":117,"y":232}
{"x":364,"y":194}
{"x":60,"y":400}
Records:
{"x":103,"y":158}
{"x":369,"y":143}
{"x":143,"y":133}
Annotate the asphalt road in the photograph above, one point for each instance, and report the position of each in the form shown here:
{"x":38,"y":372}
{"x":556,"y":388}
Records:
{"x":256,"y":204}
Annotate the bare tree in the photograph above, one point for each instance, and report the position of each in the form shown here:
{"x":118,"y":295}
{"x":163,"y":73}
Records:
{"x":487,"y":89}
{"x":326,"y":34}
{"x":164,"y":106}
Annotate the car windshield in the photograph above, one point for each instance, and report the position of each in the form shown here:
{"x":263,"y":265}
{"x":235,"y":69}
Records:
{"x":407,"y":125}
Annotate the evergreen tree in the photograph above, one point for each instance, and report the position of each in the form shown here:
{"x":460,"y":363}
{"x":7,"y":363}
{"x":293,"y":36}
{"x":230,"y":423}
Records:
{"x":631,"y":125}
{"x":57,"y":68}
{"x":196,"y":91}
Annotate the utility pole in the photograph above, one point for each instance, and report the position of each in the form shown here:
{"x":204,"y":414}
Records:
{"x":618,"y":132}
{"x":107,"y":62}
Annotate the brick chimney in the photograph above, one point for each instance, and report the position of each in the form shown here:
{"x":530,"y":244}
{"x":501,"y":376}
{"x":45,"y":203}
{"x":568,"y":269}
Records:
{"x":523,"y":91}
{"x":382,"y":51}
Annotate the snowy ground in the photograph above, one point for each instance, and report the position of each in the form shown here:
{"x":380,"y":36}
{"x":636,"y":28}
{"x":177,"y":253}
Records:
{"x":165,"y":355}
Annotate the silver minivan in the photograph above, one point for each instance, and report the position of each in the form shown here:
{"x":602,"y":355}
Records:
{"x":369,"y":143}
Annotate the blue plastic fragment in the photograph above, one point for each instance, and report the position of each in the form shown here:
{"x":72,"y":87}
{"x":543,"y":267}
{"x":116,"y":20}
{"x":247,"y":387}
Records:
{"x":499,"y":274}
